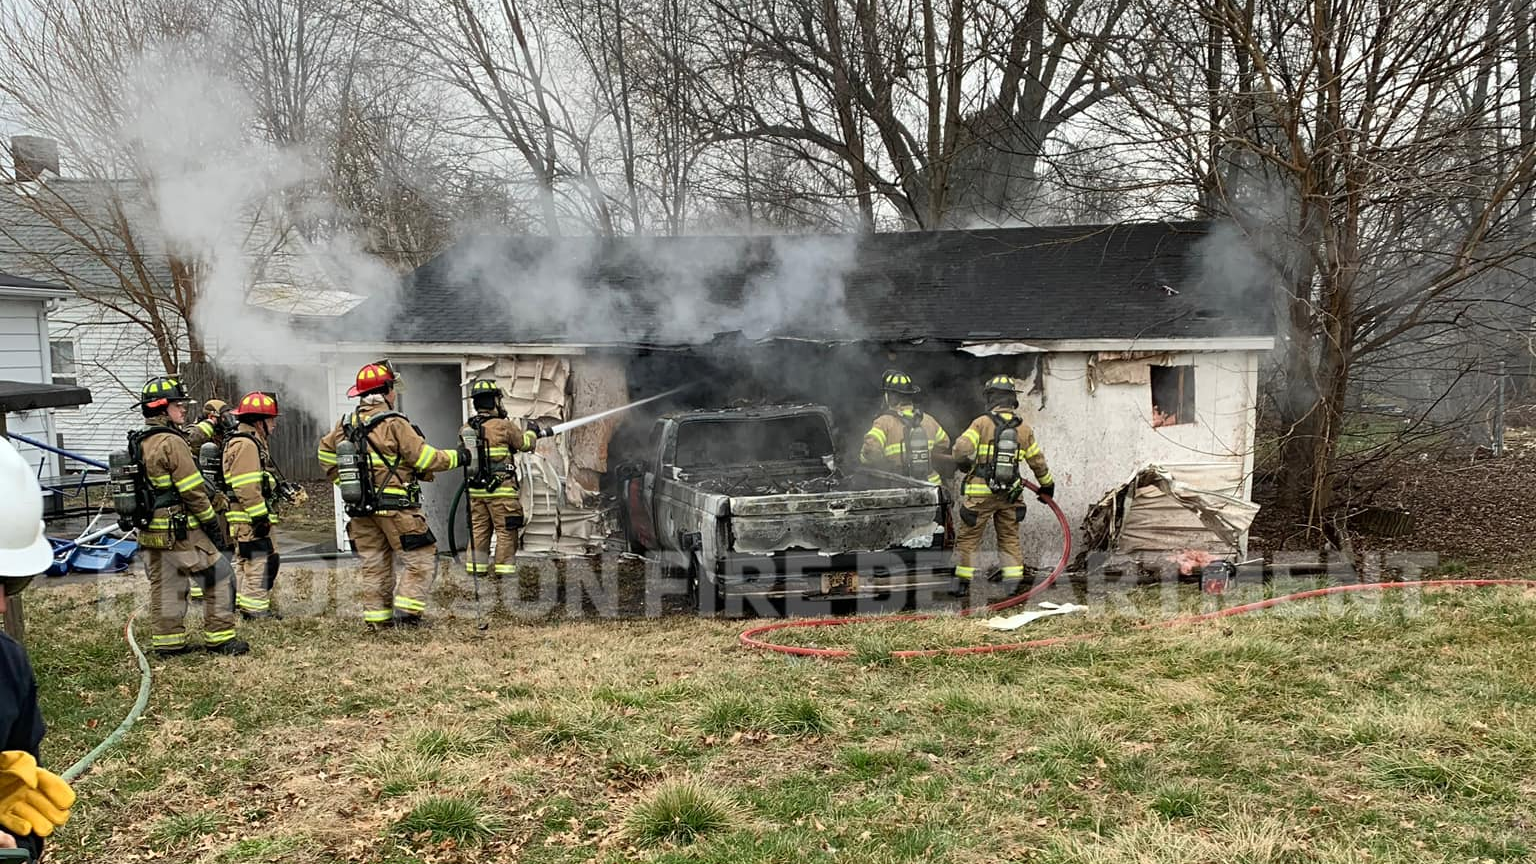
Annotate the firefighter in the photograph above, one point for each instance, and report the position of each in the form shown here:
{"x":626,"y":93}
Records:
{"x":989,"y":452}
{"x":214,"y":426}
{"x":900,"y":424}
{"x":384,"y":498}
{"x":183,"y":540}
{"x":252,"y":479}
{"x":493,"y":504}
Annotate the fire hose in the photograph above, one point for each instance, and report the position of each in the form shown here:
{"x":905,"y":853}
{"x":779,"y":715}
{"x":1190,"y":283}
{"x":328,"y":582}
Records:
{"x":73,"y":772}
{"x":752,"y":637}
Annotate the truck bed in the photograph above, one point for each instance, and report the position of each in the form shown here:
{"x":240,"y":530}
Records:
{"x":862,"y":511}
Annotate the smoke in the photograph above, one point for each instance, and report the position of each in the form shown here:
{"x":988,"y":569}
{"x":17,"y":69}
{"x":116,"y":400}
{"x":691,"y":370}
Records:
{"x":220,"y":196}
{"x":659,"y":290}
{"x":1253,"y":255}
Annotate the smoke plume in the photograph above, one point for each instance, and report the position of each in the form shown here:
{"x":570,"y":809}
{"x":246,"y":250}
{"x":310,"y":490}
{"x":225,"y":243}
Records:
{"x":659,"y":290}
{"x":221,"y":197}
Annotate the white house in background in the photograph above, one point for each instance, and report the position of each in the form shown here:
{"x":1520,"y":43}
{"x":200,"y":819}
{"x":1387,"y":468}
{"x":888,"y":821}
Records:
{"x":25,"y":357}
{"x":1131,"y":346}
{"x":79,"y":242}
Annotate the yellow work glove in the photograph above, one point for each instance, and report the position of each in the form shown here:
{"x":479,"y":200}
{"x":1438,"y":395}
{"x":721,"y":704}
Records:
{"x":32,"y":800}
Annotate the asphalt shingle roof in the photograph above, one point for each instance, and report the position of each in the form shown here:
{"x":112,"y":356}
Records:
{"x":8,"y":280}
{"x":66,"y":234}
{"x":1142,"y":280}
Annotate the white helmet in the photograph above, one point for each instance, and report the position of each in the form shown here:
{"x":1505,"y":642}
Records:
{"x":24,"y":550}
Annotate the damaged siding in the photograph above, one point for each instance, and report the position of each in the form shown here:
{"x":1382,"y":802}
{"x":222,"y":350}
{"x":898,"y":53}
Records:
{"x":1094,"y":440}
{"x":562,"y":477}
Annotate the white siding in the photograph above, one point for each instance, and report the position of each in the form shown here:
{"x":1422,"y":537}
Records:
{"x":1093,"y":441}
{"x":22,"y":358}
{"x":113,"y":359}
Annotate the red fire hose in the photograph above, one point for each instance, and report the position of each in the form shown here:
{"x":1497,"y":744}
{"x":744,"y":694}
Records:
{"x":750,"y":638}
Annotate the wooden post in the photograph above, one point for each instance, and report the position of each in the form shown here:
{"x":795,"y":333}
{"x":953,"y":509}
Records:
{"x":15,"y":618}
{"x":15,"y":621}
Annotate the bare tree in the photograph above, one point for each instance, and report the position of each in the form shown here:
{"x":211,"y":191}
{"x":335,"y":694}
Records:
{"x":1365,"y":148}
{"x":61,"y":64}
{"x":939,"y":111}
{"x":497,"y":56}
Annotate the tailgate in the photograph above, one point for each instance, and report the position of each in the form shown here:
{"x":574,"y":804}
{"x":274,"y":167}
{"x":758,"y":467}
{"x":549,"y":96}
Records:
{"x":834,"y":523}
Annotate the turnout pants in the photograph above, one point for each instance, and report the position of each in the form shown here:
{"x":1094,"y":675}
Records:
{"x":976,"y":512}
{"x":172,"y":573}
{"x":256,"y":563}
{"x":498,"y":515}
{"x":381,"y":541}
{"x":196,"y":592}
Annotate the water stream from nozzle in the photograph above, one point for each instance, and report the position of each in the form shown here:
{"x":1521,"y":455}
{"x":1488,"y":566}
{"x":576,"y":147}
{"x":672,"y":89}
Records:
{"x":593,"y":418}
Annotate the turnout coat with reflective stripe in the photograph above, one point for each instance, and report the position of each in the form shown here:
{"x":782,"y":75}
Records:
{"x":397,"y":451}
{"x":977,"y":443}
{"x":171,"y":469}
{"x":247,"y":473}
{"x":200,"y":433}
{"x":503,"y":437}
{"x":886,"y":441}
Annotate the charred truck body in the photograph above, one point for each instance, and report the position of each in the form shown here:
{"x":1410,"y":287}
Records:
{"x":753,"y":506}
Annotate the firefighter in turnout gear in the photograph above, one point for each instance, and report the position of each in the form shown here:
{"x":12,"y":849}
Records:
{"x":494,"y":508}
{"x":251,"y":477}
{"x":990,"y":452}
{"x":902,"y":438}
{"x":182,"y":537}
{"x":378,"y":459}
{"x":214,"y":426}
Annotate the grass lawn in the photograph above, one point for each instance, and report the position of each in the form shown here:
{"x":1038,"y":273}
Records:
{"x":1388,"y":731}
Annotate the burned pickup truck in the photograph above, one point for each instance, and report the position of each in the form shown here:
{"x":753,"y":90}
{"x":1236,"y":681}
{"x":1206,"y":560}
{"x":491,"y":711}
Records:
{"x":752,"y":505}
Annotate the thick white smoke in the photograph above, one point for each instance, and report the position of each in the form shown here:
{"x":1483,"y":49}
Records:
{"x":660,"y":290}
{"x":218,"y":193}
{"x":221,"y":195}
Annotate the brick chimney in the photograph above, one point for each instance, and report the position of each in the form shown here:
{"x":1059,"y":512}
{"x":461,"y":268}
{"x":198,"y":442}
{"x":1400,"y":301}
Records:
{"x":34,"y":154}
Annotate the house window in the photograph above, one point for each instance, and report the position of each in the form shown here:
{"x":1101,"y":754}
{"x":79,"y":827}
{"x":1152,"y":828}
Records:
{"x":62,"y":352}
{"x":1173,"y":395}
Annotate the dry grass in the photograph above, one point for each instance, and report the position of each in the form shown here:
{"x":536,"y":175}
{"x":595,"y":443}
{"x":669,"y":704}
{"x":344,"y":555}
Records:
{"x":1394,"y":733}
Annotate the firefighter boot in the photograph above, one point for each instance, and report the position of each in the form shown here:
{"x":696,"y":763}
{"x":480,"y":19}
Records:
{"x":959,"y":587}
{"x":410,"y":622}
{"x":231,"y":647}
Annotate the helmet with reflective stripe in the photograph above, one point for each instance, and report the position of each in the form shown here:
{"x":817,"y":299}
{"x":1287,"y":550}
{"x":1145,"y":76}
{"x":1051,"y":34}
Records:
{"x":485,"y":394}
{"x":373,"y":378}
{"x":1000,"y":391}
{"x":898,"y":382}
{"x":1002,"y":383}
{"x":257,"y":404}
{"x":160,"y":392}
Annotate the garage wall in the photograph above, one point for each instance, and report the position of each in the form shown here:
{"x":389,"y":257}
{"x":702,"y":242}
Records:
{"x":1096,"y":440}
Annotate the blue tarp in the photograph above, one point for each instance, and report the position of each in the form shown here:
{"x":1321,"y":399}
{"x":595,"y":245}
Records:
{"x":106,"y":556}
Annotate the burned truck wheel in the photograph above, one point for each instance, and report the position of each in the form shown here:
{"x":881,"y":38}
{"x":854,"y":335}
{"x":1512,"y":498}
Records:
{"x":703,"y":589}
